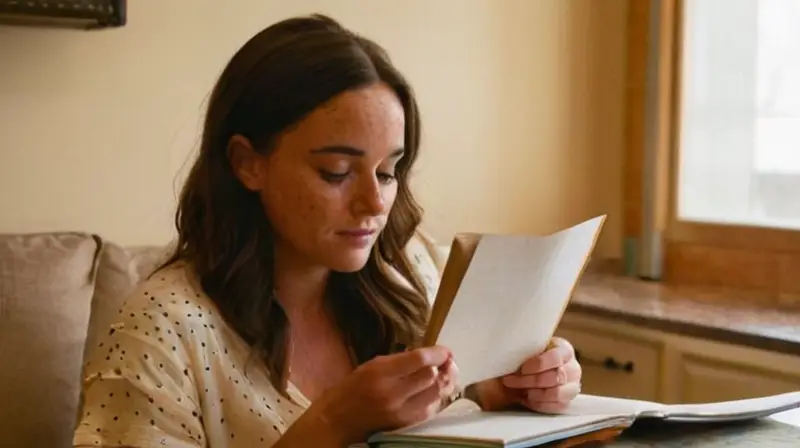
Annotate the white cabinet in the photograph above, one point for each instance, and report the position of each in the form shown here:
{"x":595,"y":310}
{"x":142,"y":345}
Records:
{"x":630,"y":361}
{"x":706,"y":379}
{"x":614,"y":364}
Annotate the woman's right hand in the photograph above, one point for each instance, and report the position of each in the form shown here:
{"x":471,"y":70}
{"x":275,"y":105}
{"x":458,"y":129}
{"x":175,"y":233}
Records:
{"x":385,"y":393}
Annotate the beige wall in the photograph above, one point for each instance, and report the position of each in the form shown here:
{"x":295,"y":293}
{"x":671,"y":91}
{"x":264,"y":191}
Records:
{"x":522,"y":101}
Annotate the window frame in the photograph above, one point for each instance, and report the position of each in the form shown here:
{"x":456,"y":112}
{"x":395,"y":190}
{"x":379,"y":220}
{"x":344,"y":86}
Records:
{"x":735,"y":236}
{"x":689,"y":252}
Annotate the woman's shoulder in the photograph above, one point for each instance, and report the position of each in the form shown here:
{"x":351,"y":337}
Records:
{"x":167,"y":364}
{"x":166,"y":286}
{"x":167,"y":312}
{"x":171,"y":295}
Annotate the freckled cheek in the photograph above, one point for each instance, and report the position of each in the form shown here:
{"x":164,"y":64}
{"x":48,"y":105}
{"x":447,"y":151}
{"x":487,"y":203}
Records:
{"x":294,"y":211}
{"x":317,"y":211}
{"x":309,"y":208}
{"x":301,"y":208}
{"x":389,"y":197}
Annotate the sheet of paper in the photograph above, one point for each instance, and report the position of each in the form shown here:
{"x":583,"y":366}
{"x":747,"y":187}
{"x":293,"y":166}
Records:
{"x":512,"y":298}
{"x":729,"y":410}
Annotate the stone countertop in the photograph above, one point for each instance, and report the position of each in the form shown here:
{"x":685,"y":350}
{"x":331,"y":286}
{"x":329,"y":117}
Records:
{"x":765,"y":433}
{"x":725,"y":316}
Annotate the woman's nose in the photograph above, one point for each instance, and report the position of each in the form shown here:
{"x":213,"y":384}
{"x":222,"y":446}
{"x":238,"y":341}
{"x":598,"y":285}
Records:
{"x":369,"y":198}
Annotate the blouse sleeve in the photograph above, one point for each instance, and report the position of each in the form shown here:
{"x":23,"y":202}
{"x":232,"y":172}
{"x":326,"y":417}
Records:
{"x":137,"y":390}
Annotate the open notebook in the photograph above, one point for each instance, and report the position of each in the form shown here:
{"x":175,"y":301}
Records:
{"x":500,"y":301}
{"x":464,"y":425}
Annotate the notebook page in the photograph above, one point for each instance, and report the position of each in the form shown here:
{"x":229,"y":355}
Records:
{"x":585,"y":404}
{"x":749,"y":408}
{"x":500,"y":428}
{"x":512,"y":297}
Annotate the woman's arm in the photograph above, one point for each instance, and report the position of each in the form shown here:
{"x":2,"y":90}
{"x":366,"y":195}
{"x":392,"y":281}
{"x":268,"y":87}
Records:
{"x":311,"y":429}
{"x":136,"y":392}
{"x":130,"y":404}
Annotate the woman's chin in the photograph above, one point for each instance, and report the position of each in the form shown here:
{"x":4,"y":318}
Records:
{"x":350,"y":261}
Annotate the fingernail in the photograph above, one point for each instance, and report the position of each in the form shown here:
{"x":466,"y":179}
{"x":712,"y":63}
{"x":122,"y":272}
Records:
{"x":562,"y":376}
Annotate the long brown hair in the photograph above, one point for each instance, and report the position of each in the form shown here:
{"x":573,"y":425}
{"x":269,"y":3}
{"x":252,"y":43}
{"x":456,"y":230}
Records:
{"x":279,"y":76}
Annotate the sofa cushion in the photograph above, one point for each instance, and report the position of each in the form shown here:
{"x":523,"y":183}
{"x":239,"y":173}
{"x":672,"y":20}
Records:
{"x":46,"y":286}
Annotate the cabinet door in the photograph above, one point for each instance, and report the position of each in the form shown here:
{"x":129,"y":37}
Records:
{"x":615,"y":364}
{"x":673,"y":368}
{"x":705,"y":379}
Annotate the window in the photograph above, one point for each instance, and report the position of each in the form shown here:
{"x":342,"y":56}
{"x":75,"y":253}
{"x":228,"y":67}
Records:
{"x":712,"y":154}
{"x":739,"y":113}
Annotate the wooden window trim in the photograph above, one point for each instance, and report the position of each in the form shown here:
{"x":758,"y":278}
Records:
{"x":736,"y":256}
{"x":729,"y":236}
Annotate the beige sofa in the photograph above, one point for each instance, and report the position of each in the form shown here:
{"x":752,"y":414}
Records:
{"x":57,"y":292}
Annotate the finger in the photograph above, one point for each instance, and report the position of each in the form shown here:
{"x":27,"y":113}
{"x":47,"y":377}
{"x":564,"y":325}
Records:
{"x":418,"y":381}
{"x":406,"y":363}
{"x":449,"y":372}
{"x":418,"y":409}
{"x":426,"y":397}
{"x":447,"y":385}
{"x":550,"y":378}
{"x":574,"y":371}
{"x":555,"y":357}
{"x":448,"y":377}
{"x":569,"y":372}
{"x":448,"y":389}
{"x":559,"y":394}
{"x":560,"y":342}
{"x":449,"y":367}
{"x":549,"y":408}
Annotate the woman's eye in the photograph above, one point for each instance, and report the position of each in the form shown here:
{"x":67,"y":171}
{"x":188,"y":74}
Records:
{"x":336,"y":177}
{"x":333,"y":177}
{"x":386,"y":177}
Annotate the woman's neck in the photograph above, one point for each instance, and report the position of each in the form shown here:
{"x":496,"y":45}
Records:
{"x":300,"y":287}
{"x":319,"y":357}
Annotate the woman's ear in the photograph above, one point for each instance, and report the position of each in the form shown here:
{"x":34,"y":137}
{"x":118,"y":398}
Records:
{"x":247,"y":164}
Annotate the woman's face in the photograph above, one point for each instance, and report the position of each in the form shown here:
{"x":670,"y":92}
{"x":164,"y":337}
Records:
{"x":328,"y":186}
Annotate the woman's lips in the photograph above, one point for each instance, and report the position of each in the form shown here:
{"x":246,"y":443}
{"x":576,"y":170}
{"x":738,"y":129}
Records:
{"x":357,"y":237}
{"x":357,"y":232}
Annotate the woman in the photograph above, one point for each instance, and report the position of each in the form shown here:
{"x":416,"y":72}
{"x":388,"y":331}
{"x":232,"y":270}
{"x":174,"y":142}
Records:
{"x":289,"y":314}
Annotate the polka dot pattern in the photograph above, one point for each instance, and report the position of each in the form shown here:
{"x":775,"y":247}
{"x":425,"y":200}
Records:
{"x":170,"y":372}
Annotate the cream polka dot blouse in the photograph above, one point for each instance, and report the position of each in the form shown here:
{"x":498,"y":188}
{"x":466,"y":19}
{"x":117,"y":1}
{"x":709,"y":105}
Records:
{"x":170,"y":372}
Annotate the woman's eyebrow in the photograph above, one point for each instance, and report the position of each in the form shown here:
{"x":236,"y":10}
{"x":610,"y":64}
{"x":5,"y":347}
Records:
{"x":350,"y":151}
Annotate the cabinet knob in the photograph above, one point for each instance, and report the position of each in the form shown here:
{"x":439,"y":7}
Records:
{"x":609,"y":363}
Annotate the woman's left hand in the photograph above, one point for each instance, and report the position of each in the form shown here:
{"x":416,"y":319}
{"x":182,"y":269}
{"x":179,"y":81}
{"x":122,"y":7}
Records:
{"x":545,"y":383}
